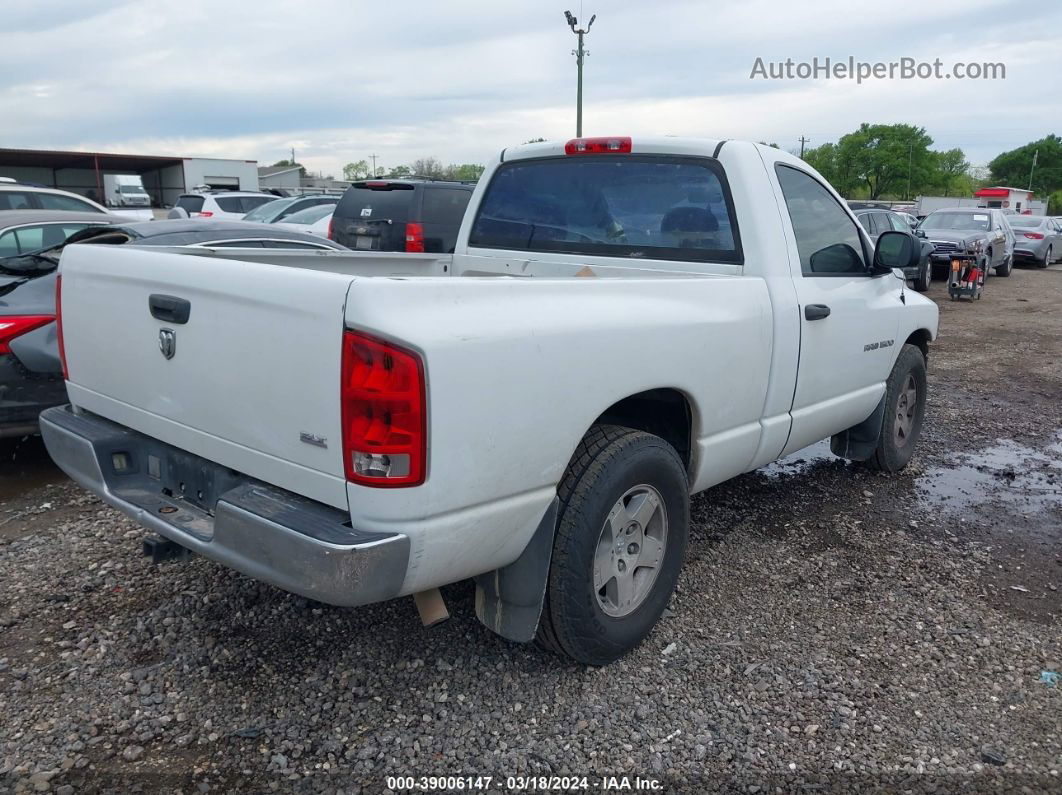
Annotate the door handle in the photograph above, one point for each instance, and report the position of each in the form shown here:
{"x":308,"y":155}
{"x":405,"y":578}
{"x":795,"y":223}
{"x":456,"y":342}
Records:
{"x":169,"y":308}
{"x":816,"y":311}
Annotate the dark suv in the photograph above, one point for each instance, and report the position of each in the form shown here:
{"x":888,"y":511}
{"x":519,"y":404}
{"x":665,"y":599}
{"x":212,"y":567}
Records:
{"x":401,"y":215}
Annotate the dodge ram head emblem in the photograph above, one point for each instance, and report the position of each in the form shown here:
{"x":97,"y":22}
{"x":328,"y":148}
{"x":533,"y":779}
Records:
{"x":168,"y":342}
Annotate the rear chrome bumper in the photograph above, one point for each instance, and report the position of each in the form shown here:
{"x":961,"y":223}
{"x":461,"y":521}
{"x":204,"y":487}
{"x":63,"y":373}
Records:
{"x":267,"y":533}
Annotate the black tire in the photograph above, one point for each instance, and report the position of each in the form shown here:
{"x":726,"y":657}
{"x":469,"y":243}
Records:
{"x":925,"y":278}
{"x":609,"y":462}
{"x":1005,"y":267}
{"x":892,"y":453}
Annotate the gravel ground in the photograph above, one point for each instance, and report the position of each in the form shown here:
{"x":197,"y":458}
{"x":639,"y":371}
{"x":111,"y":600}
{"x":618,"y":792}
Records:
{"x":833,"y":629}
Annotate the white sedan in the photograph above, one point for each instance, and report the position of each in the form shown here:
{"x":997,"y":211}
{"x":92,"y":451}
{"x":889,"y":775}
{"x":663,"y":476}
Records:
{"x":315,"y":220}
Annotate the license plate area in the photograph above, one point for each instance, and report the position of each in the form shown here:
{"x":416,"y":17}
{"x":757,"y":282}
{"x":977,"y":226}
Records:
{"x":183,"y":476}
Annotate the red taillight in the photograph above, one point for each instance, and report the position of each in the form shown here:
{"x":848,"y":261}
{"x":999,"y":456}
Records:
{"x":12,"y":326}
{"x":1033,"y":235}
{"x":330,"y":235}
{"x":205,"y":214}
{"x":598,"y":146}
{"x":59,"y":324}
{"x":414,"y":237}
{"x":384,"y":411}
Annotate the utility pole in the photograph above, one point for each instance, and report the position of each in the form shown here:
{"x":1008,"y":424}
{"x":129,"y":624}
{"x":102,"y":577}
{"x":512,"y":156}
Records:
{"x":293,"y":155}
{"x":579,"y":54}
{"x":803,"y":141}
{"x":910,"y":162}
{"x":373,"y":164}
{"x":1036,"y":156}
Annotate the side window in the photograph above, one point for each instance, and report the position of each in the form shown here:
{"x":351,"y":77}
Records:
{"x":827,"y":239}
{"x":898,"y":224}
{"x":445,"y":205}
{"x":56,"y":201}
{"x":866,"y":222}
{"x":248,"y":203}
{"x":231,"y":204}
{"x":8,"y":244}
{"x":14,"y":200}
{"x":34,"y":238}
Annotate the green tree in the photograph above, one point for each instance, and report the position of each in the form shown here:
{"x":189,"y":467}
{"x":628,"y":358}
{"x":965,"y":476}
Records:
{"x":888,"y":158}
{"x":950,"y":172}
{"x":357,"y":170}
{"x":1054,"y":203}
{"x":400,"y":171}
{"x":1013,"y":167}
{"x":466,"y":172}
{"x":836,"y":166}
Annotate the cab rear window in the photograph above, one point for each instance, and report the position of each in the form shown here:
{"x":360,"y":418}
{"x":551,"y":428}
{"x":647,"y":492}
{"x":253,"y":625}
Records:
{"x":650,"y":207}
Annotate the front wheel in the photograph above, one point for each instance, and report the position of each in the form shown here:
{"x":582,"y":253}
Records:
{"x":1005,"y":267}
{"x":620,"y":540}
{"x":905,"y":408}
{"x":924,"y":279}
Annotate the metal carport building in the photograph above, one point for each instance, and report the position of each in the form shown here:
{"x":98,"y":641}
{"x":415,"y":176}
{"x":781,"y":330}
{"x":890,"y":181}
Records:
{"x":165,"y":178}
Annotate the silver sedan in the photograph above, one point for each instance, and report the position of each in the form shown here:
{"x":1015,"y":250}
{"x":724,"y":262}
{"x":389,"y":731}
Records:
{"x":1037,"y":239}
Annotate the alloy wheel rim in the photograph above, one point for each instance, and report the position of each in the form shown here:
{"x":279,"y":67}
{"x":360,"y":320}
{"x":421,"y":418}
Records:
{"x":630,"y":551}
{"x":906,"y":409}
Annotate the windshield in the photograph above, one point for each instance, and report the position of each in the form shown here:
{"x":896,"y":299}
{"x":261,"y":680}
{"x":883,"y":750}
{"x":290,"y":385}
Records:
{"x":952,"y":220}
{"x":1025,"y":220}
{"x":266,"y":212}
{"x":311,"y":214}
{"x":130,"y":189}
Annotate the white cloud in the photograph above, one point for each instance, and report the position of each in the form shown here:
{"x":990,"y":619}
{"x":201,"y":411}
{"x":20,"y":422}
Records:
{"x":341,"y":80}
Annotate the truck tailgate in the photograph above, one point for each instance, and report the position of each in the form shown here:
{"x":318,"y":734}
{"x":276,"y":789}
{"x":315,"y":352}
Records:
{"x":252,"y":379}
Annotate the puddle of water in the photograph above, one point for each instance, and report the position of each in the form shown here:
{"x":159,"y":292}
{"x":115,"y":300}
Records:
{"x":1012,"y":475}
{"x":801,"y":461}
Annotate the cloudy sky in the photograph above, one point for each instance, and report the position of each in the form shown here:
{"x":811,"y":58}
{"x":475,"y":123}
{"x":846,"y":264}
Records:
{"x":340,"y":80}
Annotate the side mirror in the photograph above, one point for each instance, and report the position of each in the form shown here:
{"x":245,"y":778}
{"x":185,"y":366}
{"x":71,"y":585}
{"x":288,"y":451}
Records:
{"x":896,"y":250}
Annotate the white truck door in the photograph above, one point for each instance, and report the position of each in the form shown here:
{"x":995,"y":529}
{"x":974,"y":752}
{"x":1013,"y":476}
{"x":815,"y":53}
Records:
{"x":848,"y":318}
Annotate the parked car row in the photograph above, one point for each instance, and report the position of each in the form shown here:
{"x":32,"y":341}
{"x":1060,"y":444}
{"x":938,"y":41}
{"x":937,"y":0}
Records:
{"x":411,"y":215}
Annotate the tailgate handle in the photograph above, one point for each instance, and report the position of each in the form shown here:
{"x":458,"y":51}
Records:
{"x":169,"y":308}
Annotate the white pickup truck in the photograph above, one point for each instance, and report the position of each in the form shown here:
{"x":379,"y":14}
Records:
{"x":621,"y":325}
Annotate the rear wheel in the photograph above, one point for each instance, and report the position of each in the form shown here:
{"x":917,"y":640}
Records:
{"x":905,"y":406}
{"x":620,"y":540}
{"x":1049,"y":257}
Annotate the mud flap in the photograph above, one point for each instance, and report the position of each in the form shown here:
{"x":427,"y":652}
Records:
{"x":859,"y":442}
{"x":509,"y":599}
